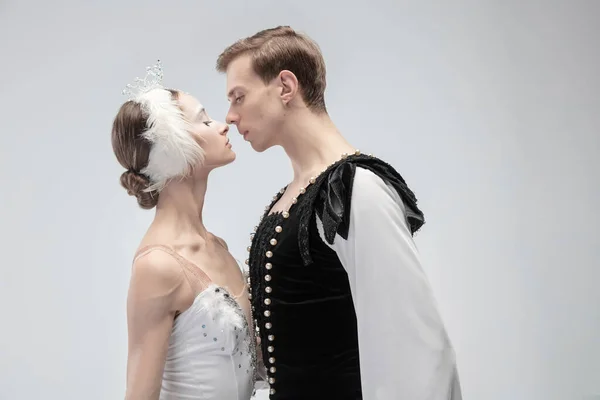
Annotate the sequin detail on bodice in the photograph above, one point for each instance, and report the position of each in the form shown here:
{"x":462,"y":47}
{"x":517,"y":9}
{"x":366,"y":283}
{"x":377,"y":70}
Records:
{"x":212,"y":350}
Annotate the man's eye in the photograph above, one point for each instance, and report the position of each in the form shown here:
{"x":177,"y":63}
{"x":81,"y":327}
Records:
{"x":239,"y":99}
{"x":207,"y":123}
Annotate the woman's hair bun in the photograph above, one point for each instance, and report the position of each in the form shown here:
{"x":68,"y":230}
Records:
{"x":136,"y":183}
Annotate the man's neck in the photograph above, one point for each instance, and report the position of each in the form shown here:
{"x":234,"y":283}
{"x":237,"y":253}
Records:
{"x":312,"y":142}
{"x":181,"y":203}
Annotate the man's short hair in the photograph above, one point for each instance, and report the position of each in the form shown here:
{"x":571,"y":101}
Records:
{"x":281,"y":48}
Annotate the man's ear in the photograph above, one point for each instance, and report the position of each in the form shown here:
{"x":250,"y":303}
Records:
{"x":289,"y":86}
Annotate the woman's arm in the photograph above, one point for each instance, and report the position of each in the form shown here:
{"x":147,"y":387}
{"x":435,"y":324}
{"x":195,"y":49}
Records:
{"x":151,"y":306}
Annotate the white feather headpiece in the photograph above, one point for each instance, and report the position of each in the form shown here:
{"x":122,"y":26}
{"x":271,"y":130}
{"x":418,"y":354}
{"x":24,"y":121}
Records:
{"x":174,"y":151}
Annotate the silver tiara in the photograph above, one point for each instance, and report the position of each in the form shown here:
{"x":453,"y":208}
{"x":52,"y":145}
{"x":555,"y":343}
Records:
{"x":153,"y":79}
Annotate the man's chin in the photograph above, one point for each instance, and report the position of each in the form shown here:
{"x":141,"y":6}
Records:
{"x":259,"y":147}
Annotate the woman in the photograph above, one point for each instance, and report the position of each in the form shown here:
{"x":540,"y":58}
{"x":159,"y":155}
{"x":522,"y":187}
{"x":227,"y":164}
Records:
{"x":188,"y":311}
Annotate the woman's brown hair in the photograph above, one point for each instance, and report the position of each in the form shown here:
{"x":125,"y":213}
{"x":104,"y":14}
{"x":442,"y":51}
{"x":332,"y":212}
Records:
{"x":133,"y":150}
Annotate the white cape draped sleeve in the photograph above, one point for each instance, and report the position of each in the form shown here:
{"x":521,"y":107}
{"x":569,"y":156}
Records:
{"x":405,"y":353}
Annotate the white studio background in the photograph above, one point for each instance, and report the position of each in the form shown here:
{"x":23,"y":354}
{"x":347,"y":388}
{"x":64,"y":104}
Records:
{"x":490,"y":110}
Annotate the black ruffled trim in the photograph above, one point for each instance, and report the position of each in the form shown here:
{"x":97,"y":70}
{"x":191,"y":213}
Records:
{"x":330,"y":197}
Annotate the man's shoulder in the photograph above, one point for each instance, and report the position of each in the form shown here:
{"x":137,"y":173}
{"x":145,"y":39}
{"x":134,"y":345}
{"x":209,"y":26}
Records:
{"x":329,"y":198}
{"x":344,"y":171}
{"x":363,"y":173}
{"x":358,"y":171}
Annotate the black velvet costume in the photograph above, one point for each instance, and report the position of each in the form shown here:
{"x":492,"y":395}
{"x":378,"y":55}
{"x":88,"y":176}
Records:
{"x":301,"y":297}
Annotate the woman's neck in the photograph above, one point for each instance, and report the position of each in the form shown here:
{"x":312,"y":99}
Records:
{"x":180,"y":204}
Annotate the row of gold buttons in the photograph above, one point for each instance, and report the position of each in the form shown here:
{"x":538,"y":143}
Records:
{"x":268,"y":289}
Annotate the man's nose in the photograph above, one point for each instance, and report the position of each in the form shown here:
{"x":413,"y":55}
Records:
{"x":231,"y":118}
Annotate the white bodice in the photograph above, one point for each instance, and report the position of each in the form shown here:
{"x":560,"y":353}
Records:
{"x":211,"y":352}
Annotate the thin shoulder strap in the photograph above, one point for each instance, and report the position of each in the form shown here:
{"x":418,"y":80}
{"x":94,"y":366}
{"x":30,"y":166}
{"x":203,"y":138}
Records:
{"x":149,"y":248}
{"x":187,"y":265}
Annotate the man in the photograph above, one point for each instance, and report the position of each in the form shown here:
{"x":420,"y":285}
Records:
{"x":342,"y":307}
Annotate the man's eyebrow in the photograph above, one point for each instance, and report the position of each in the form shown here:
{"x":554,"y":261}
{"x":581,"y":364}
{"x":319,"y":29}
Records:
{"x":230,"y":94}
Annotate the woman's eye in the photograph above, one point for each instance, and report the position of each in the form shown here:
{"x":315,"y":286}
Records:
{"x":207,"y":123}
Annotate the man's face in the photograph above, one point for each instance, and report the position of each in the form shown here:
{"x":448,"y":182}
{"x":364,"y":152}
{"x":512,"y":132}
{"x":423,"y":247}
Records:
{"x":256,"y":108}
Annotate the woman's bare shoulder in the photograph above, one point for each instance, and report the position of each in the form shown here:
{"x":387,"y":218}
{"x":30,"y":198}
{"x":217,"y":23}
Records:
{"x":220,"y":240}
{"x":156,"y":273}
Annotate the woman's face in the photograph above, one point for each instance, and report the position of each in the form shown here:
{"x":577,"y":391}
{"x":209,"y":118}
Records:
{"x":211,"y":135}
